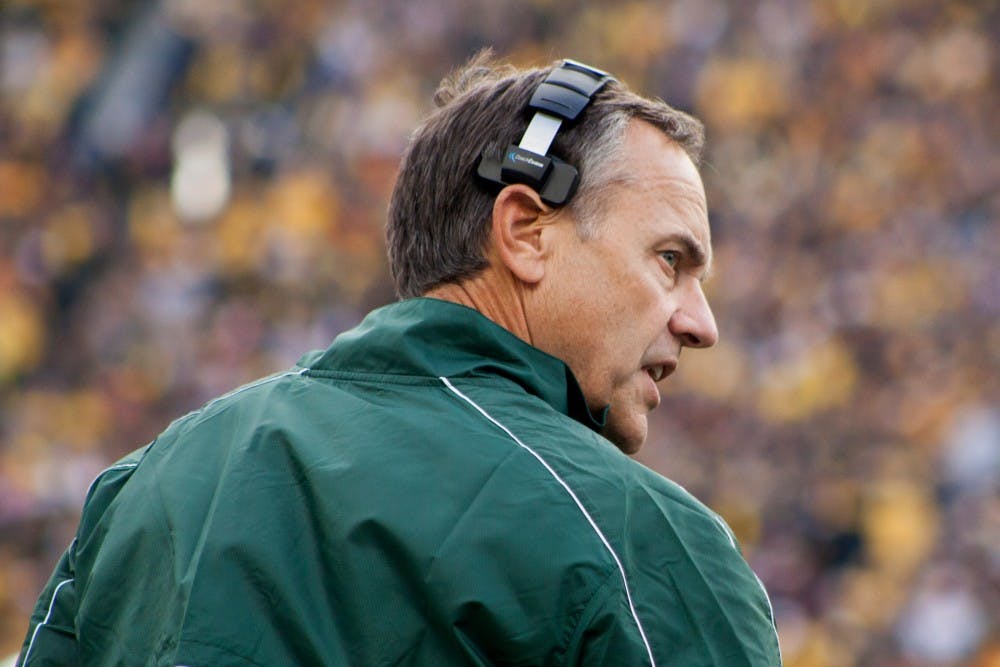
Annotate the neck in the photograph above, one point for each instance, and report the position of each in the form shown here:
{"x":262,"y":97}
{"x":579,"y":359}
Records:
{"x":498,"y":297}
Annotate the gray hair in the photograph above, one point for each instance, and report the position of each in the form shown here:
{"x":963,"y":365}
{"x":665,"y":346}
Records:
{"x":439,"y":213}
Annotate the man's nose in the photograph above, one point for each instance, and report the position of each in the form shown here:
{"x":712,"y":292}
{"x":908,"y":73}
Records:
{"x":693,"y":322}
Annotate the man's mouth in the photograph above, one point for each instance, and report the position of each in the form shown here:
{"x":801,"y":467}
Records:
{"x":659,"y":372}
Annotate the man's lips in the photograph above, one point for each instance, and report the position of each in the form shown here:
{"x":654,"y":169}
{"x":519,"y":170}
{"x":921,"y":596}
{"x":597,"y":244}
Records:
{"x":660,"y":370}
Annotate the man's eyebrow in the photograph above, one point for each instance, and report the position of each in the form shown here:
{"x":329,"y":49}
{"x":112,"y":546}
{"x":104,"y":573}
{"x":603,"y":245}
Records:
{"x":695,"y":251}
{"x":682,"y":198}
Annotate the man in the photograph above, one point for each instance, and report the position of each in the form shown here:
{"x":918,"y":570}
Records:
{"x":448,"y":483}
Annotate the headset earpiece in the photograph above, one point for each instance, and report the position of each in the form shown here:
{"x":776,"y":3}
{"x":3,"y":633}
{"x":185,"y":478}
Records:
{"x":561,"y":97}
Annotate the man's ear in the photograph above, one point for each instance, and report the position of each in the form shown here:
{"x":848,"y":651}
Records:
{"x":519,"y":217}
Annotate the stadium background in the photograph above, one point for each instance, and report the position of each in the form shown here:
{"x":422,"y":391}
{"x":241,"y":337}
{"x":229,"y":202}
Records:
{"x":192,"y":193}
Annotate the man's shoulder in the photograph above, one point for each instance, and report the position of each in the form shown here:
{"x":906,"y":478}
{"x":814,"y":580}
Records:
{"x":588,"y":468}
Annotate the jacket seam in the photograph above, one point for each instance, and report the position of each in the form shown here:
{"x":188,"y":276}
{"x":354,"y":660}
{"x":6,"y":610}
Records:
{"x":48,"y":616}
{"x":398,"y":378}
{"x":576,"y":500}
{"x":375,"y":378}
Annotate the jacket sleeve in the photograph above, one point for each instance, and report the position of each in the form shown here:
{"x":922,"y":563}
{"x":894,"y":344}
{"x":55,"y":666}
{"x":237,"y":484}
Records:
{"x":51,"y":638}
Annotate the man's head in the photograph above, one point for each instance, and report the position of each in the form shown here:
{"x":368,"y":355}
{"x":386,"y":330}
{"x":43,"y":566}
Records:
{"x":439,"y":216}
{"x":610,"y":283}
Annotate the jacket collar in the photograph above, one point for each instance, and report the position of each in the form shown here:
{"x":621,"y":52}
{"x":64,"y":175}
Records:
{"x":431,"y":337}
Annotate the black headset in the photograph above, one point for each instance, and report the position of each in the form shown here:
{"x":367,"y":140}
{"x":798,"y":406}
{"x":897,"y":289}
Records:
{"x":561,"y":97}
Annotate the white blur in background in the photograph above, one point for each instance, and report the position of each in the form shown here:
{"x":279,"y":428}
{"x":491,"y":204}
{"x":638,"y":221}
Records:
{"x":201,"y":181}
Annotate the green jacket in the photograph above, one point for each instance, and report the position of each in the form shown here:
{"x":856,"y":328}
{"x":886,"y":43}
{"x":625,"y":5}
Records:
{"x":430,"y":490}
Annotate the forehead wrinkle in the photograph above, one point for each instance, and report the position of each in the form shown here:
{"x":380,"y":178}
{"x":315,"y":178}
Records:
{"x":682,"y":196}
{"x":677,"y":194}
{"x":686,"y":200}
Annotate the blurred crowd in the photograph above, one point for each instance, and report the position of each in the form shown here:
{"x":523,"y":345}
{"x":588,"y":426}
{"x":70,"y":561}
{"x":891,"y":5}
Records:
{"x":193,"y":193}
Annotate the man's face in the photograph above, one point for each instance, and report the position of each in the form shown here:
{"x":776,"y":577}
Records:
{"x":619,"y":307}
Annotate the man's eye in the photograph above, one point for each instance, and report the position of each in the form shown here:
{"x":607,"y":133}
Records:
{"x":671,"y":257}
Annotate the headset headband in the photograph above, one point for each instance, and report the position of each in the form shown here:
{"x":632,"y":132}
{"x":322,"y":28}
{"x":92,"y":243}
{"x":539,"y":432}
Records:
{"x":564,"y":93}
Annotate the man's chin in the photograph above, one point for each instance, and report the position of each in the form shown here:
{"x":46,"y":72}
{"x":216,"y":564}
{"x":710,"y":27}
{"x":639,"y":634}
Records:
{"x":627,"y":432}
